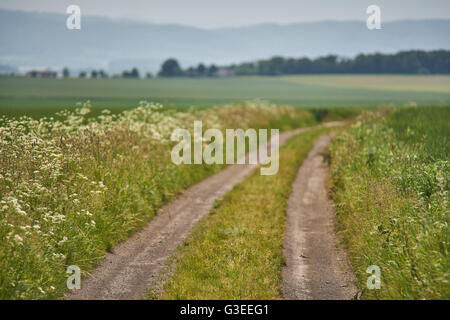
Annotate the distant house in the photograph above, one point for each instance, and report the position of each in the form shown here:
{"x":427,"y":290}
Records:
{"x":41,"y":74}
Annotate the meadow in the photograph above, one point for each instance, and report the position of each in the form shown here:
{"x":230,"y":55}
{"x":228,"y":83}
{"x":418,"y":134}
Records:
{"x":43,"y":97}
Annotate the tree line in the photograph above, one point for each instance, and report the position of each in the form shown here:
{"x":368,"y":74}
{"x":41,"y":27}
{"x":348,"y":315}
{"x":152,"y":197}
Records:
{"x":171,"y":68}
{"x":407,"y":62}
{"x":404,"y":62}
{"x":94,"y":74}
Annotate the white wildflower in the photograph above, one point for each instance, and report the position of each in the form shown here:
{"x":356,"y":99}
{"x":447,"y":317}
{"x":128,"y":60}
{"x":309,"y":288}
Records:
{"x":18,"y":239}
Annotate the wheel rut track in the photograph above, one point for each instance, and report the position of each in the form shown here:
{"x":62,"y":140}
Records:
{"x":316,"y":265}
{"x":135,"y":264}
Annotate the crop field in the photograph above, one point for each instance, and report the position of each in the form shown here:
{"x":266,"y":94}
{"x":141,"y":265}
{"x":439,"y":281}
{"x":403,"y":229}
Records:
{"x":43,"y":97}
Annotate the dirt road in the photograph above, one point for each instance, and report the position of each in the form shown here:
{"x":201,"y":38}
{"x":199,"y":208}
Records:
{"x":316,"y":268}
{"x":136,"y":263}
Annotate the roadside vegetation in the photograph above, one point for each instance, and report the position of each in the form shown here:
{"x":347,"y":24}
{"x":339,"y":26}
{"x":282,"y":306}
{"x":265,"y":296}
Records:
{"x":391,"y":178}
{"x":73,"y":186}
{"x":236,"y":251}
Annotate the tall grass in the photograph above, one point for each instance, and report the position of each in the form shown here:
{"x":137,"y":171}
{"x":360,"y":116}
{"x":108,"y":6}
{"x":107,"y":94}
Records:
{"x":391,"y":188}
{"x":72,"y":187}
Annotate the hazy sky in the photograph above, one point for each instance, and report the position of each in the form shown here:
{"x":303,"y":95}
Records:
{"x":219,"y":13}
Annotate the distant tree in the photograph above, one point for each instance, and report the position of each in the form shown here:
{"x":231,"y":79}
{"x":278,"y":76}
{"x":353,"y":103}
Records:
{"x":94,"y":74}
{"x":149,"y":75}
{"x":170,"y":68}
{"x":103,"y":74}
{"x":134,"y":73}
{"x":302,"y":65}
{"x":212,"y":70}
{"x":191,"y":72}
{"x":271,"y":67}
{"x":66,"y":72}
{"x":246,"y":68}
{"x":201,"y":70}
{"x":82,"y":74}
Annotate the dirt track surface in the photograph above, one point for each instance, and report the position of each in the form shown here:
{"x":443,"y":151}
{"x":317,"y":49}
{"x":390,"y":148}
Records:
{"x":316,"y":267}
{"x":135,"y":264}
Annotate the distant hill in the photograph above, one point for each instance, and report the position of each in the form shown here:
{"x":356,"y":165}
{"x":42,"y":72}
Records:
{"x":41,"y":39}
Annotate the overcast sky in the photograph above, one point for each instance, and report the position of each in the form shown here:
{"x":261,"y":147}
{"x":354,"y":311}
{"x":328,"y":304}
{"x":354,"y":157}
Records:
{"x":219,"y":13}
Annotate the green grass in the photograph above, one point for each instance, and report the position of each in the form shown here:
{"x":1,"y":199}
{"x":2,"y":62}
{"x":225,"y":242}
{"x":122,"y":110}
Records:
{"x":236,"y":251}
{"x":391,"y":189}
{"x":425,"y":129}
{"x":41,"y":97}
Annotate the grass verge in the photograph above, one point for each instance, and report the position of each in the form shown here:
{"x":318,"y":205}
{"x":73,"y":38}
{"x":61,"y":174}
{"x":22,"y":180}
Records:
{"x":391,"y":188}
{"x":236,"y":251}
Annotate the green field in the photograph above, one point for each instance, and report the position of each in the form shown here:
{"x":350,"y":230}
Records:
{"x":36,"y":97}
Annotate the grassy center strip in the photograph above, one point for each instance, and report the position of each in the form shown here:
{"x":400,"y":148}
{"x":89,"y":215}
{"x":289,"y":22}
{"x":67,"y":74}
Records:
{"x":236,"y":251}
